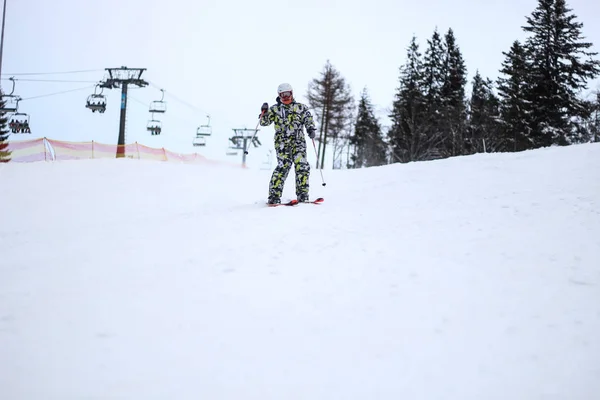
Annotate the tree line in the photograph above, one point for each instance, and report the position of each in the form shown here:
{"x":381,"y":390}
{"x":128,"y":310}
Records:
{"x":536,"y":101}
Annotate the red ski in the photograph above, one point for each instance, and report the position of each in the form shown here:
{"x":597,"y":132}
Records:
{"x":289,"y":203}
{"x":317,"y":201}
{"x":296,"y":202}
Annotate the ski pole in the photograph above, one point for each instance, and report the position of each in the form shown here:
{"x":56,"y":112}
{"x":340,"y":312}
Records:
{"x":255,"y":130}
{"x":317,"y":154}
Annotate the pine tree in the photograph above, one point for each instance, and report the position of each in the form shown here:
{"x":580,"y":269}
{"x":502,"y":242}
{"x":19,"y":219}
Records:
{"x":434,"y":72}
{"x":560,"y":66}
{"x":483,"y":124}
{"x":407,"y":134}
{"x":361,"y":133}
{"x":368,"y":142}
{"x":514,"y":108}
{"x":476,"y":125}
{"x":434,"y":76}
{"x":332,"y":100}
{"x":453,"y":97}
{"x":4,"y":132}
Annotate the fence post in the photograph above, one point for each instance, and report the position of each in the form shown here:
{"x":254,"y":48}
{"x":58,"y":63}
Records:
{"x":49,"y":148}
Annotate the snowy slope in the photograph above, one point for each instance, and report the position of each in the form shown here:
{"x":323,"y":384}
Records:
{"x":469,"y":278}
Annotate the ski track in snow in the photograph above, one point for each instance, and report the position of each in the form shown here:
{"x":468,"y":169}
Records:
{"x":468,"y":278}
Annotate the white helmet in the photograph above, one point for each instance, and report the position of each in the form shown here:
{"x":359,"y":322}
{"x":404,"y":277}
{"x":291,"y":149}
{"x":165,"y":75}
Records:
{"x":284,"y":87}
{"x":285,"y":93}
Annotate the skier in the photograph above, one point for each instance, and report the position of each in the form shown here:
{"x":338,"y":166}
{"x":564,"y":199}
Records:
{"x":289,"y":117}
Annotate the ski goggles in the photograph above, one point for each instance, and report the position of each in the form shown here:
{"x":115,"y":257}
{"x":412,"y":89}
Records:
{"x":285,"y":94}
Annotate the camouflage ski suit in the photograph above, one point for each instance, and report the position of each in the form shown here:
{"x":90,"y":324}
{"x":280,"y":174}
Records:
{"x":290,"y":146}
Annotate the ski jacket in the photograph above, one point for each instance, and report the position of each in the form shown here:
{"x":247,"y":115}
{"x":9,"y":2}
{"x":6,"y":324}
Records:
{"x":288,"y":119}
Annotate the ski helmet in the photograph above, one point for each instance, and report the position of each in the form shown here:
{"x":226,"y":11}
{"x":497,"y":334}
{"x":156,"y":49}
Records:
{"x":285,"y":93}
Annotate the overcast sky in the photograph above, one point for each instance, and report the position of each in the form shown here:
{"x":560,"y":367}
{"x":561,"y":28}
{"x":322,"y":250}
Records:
{"x":225,"y":58}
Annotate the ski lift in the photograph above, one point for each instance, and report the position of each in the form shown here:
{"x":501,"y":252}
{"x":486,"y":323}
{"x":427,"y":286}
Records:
{"x":159,"y":106}
{"x":154,"y":127}
{"x":96,"y":101}
{"x":19,"y":123}
{"x":204,"y":130}
{"x":11,"y":100}
{"x":11,"y":104}
{"x":201,"y":133}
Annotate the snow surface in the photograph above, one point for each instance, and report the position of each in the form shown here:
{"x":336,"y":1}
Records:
{"x":468,"y":278}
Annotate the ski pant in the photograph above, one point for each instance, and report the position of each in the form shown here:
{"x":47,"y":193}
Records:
{"x":290,"y":150}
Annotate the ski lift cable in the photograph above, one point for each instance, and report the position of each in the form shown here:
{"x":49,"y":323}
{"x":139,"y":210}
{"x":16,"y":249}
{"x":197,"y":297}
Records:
{"x":178,"y":99}
{"x":137,"y":100}
{"x":57,"y":93}
{"x":55,"y":73}
{"x":174,"y":116}
{"x":48,"y":80}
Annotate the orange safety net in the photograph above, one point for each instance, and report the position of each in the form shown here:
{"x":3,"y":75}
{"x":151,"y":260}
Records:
{"x":56,"y":150}
{"x":28,"y":151}
{"x":89,"y":150}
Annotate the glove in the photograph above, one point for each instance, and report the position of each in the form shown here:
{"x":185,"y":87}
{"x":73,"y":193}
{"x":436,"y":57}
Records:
{"x":264,"y":107}
{"x":311,"y":133}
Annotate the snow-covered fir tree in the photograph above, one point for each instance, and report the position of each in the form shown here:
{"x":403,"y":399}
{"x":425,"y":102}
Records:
{"x":4,"y":132}
{"x":434,"y":77}
{"x":434,"y":71}
{"x":369,"y":145}
{"x":453,"y":97}
{"x":559,"y":66}
{"x":515,"y":109}
{"x":482,"y":133}
{"x":407,"y":134}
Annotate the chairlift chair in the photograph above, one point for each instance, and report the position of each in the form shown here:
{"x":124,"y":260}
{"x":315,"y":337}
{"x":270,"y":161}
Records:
{"x":154,"y":127}
{"x":96,"y":102}
{"x":11,"y":104}
{"x":199,"y":141}
{"x":159,"y":106}
{"x":11,"y":100}
{"x":19,"y":123}
{"x":204,"y":130}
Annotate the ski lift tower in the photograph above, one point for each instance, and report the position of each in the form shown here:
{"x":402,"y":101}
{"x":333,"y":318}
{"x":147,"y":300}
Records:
{"x":123,"y":77}
{"x":241,"y":139}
